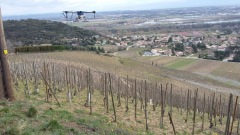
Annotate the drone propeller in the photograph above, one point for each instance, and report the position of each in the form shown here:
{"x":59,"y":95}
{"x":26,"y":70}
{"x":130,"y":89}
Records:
{"x":65,"y":14}
{"x":94,"y":12}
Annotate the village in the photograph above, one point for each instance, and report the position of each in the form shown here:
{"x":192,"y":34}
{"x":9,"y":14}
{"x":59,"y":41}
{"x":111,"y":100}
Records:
{"x":180,"y":43}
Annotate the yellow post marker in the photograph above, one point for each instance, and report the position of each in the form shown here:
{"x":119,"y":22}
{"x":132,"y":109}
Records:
{"x":5,"y":52}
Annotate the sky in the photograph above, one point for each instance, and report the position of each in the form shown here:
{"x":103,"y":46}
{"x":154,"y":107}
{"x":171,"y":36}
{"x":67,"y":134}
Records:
{"x":22,"y":7}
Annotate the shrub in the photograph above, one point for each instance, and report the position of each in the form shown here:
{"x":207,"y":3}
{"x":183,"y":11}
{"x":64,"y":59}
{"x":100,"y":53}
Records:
{"x":51,"y":48}
{"x":52,"y":125}
{"x":32,"y":112}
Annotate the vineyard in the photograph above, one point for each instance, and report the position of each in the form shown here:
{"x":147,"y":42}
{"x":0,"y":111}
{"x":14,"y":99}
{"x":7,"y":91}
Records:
{"x":133,"y":95}
{"x":225,"y":72}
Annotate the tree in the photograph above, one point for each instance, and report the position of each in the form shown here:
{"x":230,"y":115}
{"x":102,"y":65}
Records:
{"x":37,"y":32}
{"x":201,"y":46}
{"x":173,"y":52}
{"x":236,"y":58}
{"x":179,"y":47}
{"x":194,"y":48}
{"x":170,"y":40}
{"x":221,"y":54}
{"x":100,"y":49}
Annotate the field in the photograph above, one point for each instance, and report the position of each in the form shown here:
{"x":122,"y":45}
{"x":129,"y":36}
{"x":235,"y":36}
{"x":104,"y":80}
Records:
{"x":224,"y":72}
{"x":110,"y":48}
{"x":67,"y":74}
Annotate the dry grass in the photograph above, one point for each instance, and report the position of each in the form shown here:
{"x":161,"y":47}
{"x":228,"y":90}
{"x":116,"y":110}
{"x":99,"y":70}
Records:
{"x":115,"y":65}
{"x":110,"y":48}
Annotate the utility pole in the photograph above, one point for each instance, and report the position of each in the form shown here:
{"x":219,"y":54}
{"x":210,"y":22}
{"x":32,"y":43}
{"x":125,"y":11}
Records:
{"x":6,"y":81}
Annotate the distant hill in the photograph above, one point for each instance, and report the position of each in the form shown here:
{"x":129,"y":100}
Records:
{"x":35,"y":32}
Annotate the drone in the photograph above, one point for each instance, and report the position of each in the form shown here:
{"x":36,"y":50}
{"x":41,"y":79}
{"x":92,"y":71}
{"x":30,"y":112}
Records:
{"x":80,"y":15}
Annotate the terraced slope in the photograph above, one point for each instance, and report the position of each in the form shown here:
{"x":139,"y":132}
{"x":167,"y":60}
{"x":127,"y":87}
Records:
{"x":226,"y":72}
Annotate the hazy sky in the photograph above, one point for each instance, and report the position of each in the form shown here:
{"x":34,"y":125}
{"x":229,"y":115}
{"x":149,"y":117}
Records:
{"x":19,"y":7}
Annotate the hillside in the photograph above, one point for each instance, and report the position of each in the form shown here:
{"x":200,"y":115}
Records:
{"x":119,"y":66}
{"x":35,"y":32}
{"x":224,"y":72}
{"x":68,"y":74}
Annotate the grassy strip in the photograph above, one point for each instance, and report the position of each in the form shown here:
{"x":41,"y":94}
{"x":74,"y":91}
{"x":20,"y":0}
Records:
{"x":180,"y":64}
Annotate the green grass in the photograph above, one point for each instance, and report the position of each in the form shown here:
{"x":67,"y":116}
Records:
{"x":180,"y":64}
{"x":20,"y":118}
{"x":58,"y":114}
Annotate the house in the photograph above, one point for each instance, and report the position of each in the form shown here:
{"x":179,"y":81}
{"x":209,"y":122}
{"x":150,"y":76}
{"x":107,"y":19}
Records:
{"x":214,"y":47}
{"x":221,"y":48}
{"x":208,"y":46}
{"x":177,"y":39}
{"x":148,"y":54}
{"x":156,"y":50}
{"x":123,"y":43}
{"x":179,"y":53}
{"x":166,"y":52}
{"x":223,"y":38}
{"x":164,"y":40}
{"x":188,"y":49}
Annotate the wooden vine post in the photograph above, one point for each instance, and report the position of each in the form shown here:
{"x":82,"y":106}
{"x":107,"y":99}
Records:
{"x":238,"y":124}
{"x":171,"y":122}
{"x":220,"y":109}
{"x":45,"y":76}
{"x":106,"y":93}
{"x":229,"y":114}
{"x":110,"y":88}
{"x":6,"y":87}
{"x":35,"y":78}
{"x":127,"y":95}
{"x":135,"y":100}
{"x":212,"y":111}
{"x":26,"y":89}
{"x":181,"y":101}
{"x":187,"y":106}
{"x":145,"y":109}
{"x":90,"y":90}
{"x":171,"y":94}
{"x":141,"y":95}
{"x":234,"y":113}
{"x":119,"y":95}
{"x":162,"y":108}
{"x":44,"y":79}
{"x":202,"y":127}
{"x":194,"y":110}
